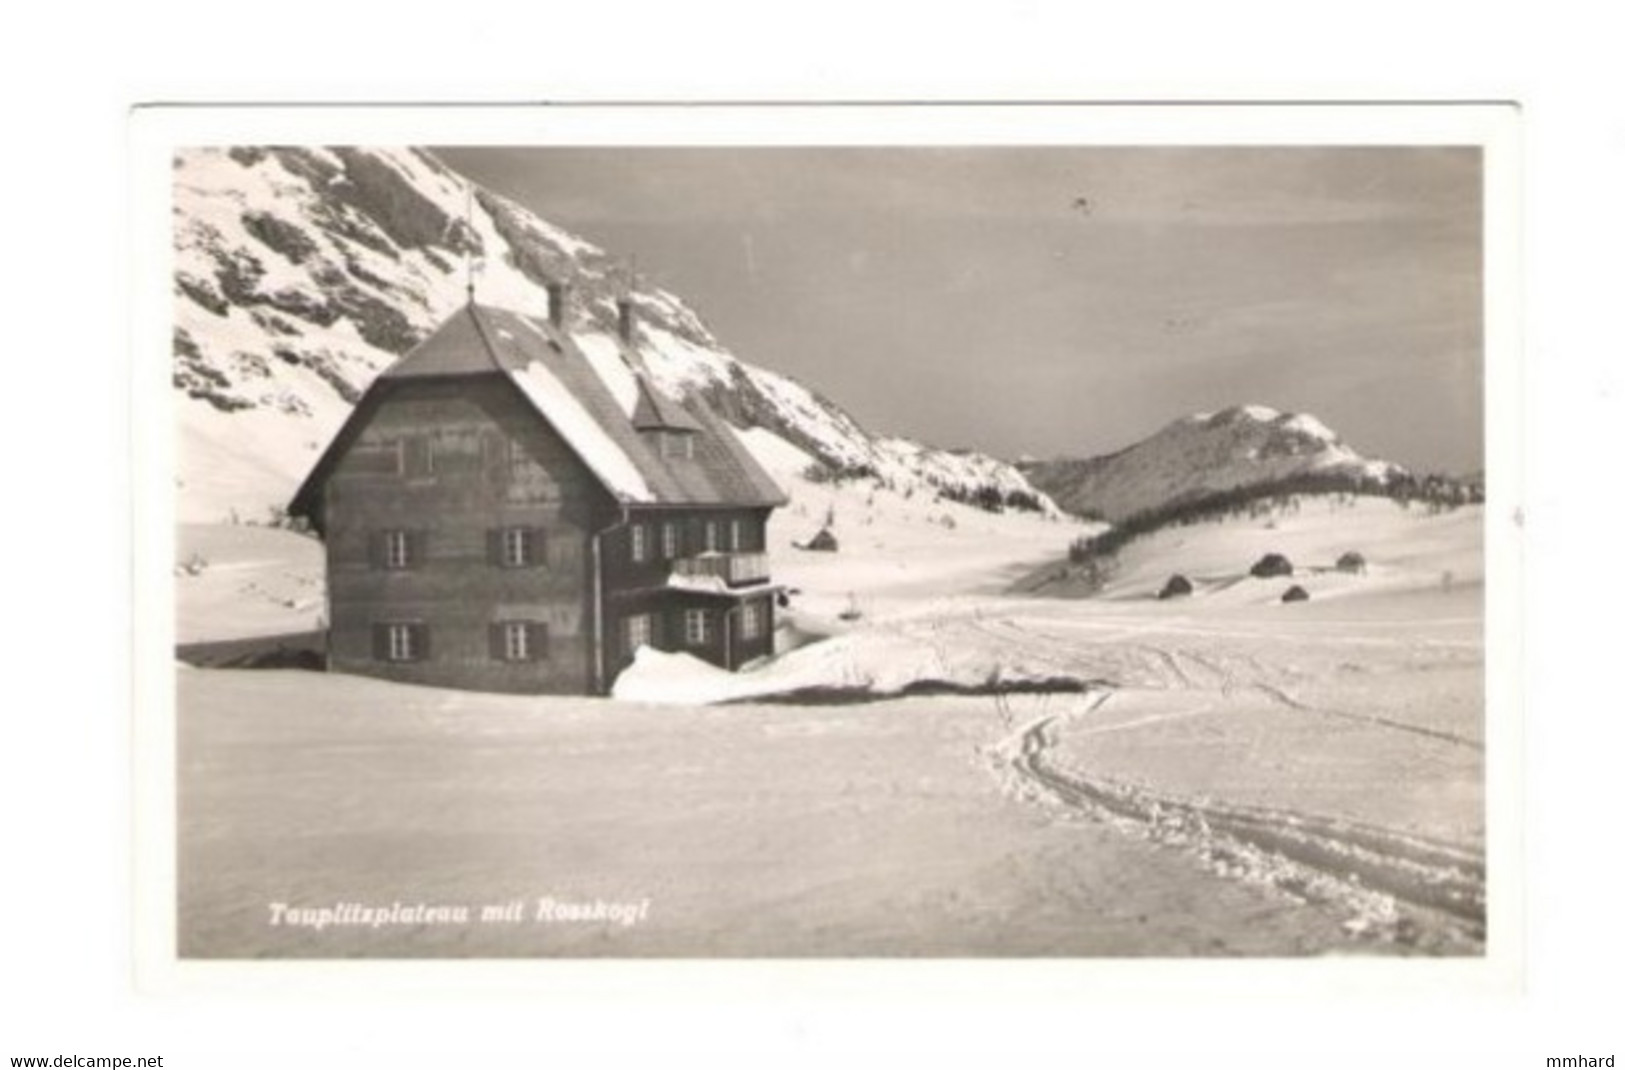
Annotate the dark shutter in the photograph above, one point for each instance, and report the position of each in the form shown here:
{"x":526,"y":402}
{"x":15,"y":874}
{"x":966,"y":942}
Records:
{"x":494,"y":455}
{"x":493,"y":546}
{"x":375,"y":549}
{"x":537,"y":640}
{"x":538,"y":547}
{"x":380,"y":642}
{"x":499,"y":645}
{"x":417,"y":548}
{"x":420,"y":642}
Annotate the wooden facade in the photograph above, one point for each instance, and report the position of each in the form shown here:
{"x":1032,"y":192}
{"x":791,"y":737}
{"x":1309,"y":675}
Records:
{"x":455,"y":465}
{"x":471,"y":544}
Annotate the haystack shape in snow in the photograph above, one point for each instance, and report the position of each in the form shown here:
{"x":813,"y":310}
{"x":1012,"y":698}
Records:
{"x":824,"y":541}
{"x":1353,"y":561}
{"x":504,"y":513}
{"x":1295,"y":594}
{"x":1176,"y":587}
{"x":1272,"y":565}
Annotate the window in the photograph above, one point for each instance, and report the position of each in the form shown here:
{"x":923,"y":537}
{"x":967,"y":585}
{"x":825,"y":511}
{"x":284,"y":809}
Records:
{"x":668,"y":540}
{"x":400,"y":641}
{"x":736,"y":535}
{"x":522,"y":467}
{"x":710,"y":536}
{"x":419,"y":457}
{"x":516,"y":547}
{"x":639,"y":632}
{"x":752,"y":620}
{"x":395,"y":550}
{"x":518,"y":640}
{"x":696,"y":627}
{"x":640,"y":543}
{"x":374,"y":459}
{"x":678,"y":444}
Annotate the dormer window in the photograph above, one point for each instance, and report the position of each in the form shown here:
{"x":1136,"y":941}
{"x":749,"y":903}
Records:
{"x":677,"y":444}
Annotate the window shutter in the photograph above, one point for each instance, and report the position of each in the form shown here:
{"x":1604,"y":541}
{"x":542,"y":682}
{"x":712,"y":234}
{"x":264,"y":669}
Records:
{"x":420,"y":642}
{"x":417,"y":548}
{"x":380,"y":642}
{"x":494,"y":455}
{"x":499,"y":646}
{"x":538,"y":547}
{"x":375,"y":549}
{"x":493,"y":546}
{"x":537,"y":640}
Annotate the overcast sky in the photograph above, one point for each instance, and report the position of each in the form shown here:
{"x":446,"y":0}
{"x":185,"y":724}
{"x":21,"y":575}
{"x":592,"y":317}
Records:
{"x":1062,"y":301}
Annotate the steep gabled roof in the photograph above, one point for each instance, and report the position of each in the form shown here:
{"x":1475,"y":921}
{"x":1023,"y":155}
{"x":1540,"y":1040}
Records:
{"x":569,"y":392}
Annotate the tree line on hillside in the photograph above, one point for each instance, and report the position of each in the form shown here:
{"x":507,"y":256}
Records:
{"x":985,"y":497}
{"x":1436,"y":493}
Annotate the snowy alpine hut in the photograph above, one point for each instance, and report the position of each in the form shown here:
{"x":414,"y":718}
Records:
{"x":514,"y":506}
{"x":824,"y":542}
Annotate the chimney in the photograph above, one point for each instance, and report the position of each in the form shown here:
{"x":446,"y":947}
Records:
{"x":557,"y":295}
{"x":626,"y":319}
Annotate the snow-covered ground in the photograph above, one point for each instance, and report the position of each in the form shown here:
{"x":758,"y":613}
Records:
{"x":240,"y":581}
{"x":1222,"y":774}
{"x":878,"y":829}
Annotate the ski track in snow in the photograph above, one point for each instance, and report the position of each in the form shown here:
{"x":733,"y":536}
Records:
{"x":1394,"y":886}
{"x":1400,"y":887}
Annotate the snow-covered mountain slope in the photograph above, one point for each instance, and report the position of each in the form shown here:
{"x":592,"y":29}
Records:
{"x":301,"y":273}
{"x":1200,"y":454}
{"x":1405,"y":548}
{"x":899,"y":548}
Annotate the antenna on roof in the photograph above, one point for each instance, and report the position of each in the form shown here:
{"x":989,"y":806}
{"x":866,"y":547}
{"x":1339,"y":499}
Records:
{"x":468,"y":234}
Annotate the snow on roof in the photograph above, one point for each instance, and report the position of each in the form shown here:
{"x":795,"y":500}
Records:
{"x":598,"y":450}
{"x":604,"y":354}
{"x":582,"y":397}
{"x":716,"y":585}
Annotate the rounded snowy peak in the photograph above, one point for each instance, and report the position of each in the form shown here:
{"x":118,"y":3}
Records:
{"x":1262,"y":417}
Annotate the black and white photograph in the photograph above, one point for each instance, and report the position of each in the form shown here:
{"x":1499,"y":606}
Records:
{"x":792,"y":550}
{"x":862,"y":535}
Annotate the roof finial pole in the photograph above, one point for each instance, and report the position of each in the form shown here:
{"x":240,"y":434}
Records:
{"x":468,"y":233}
